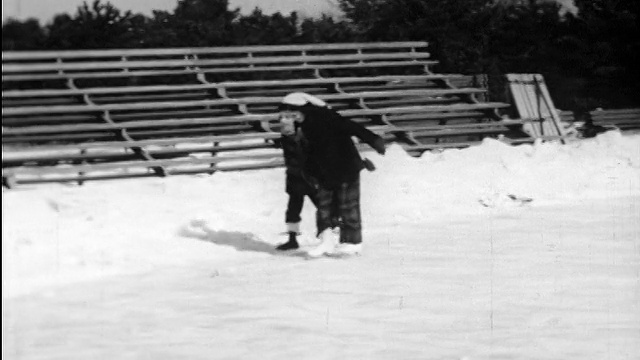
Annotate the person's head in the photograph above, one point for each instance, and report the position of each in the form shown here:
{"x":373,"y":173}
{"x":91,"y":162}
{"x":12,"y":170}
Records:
{"x":293,"y":108}
{"x":289,"y":120}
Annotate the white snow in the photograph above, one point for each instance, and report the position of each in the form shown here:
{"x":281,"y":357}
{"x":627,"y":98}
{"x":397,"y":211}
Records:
{"x":491,"y":252}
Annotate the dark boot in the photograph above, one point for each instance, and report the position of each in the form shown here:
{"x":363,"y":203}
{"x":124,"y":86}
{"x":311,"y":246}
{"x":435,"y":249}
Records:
{"x":291,"y":244}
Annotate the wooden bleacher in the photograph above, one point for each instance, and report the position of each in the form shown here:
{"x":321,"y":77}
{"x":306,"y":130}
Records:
{"x":108,"y":114}
{"x":610,"y":119}
{"x":535,"y":107}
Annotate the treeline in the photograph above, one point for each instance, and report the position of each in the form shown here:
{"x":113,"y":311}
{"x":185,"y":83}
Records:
{"x":589,"y":58}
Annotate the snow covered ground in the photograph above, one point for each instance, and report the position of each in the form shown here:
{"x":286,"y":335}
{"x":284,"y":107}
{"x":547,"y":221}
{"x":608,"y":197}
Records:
{"x":492,"y":252}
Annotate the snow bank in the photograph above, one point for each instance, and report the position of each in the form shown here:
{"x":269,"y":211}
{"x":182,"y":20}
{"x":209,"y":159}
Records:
{"x":496,"y":175}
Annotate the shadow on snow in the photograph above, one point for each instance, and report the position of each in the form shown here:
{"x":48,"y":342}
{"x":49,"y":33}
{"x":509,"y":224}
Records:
{"x":241,"y":241}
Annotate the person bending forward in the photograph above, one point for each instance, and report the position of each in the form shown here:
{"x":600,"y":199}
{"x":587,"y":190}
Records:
{"x":334,"y":164}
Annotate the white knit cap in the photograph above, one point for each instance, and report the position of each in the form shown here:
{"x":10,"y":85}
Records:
{"x":300,"y":99}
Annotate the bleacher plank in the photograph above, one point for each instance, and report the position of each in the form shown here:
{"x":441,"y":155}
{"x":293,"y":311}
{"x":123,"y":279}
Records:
{"x":628,"y":118}
{"x":111,"y":156}
{"x":115,"y":166}
{"x":12,"y":94}
{"x":242,"y":118}
{"x":128,"y":169}
{"x":90,"y":108}
{"x":18,"y":56}
{"x":205,"y":71}
{"x":12,"y":180}
{"x":418,"y":149}
{"x":112,"y":149}
{"x":138,"y":124}
{"x":440,"y":116}
{"x":240,"y":89}
{"x":305,"y":60}
{"x":160,"y":142}
{"x":446,"y":132}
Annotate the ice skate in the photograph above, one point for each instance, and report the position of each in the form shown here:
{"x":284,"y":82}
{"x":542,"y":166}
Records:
{"x":327,"y":245}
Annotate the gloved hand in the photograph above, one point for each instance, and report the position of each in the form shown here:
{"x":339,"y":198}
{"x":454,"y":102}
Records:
{"x":368,"y":164}
{"x":378,"y":145}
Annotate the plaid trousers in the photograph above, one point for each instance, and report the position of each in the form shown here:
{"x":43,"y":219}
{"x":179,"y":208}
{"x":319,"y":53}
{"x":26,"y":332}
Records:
{"x":345,"y":200}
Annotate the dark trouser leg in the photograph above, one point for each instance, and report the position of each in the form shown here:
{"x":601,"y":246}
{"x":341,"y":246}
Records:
{"x":294,"y":208}
{"x":292,"y":218}
{"x":334,"y":208}
{"x":335,"y":211}
{"x":342,"y":202}
{"x":324,"y":213}
{"x":349,"y":207}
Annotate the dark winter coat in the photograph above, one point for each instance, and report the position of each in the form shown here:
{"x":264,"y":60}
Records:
{"x":331,"y":156}
{"x":294,"y":158}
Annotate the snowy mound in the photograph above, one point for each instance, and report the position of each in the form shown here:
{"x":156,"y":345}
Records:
{"x":496,"y":175}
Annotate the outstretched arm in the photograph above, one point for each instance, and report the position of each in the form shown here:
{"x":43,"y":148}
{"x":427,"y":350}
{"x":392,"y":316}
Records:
{"x":354,"y":129}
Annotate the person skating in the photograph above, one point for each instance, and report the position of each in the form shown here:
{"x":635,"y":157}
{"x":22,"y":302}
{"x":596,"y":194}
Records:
{"x":297,"y":187}
{"x":332,"y":160}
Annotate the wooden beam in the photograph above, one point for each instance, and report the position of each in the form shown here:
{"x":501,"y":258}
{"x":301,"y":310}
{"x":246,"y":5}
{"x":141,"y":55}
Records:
{"x":75,"y":54}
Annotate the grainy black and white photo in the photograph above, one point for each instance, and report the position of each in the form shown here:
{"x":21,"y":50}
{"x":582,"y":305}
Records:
{"x":321,"y":179}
